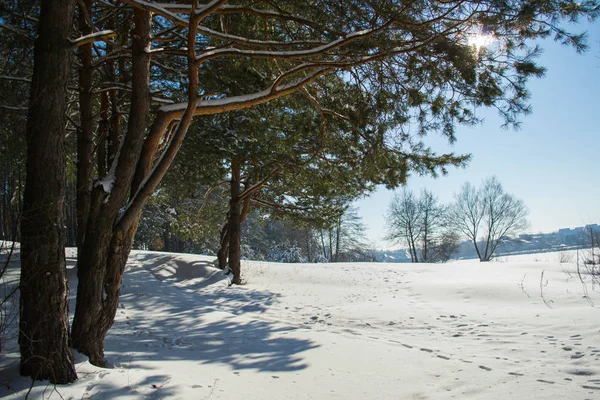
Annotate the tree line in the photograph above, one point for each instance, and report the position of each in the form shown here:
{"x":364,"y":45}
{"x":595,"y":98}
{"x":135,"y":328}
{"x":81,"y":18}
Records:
{"x":485,"y":216}
{"x":290,"y":106}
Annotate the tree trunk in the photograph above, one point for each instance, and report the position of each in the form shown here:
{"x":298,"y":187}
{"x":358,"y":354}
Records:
{"x":338,"y":237}
{"x":106,"y":246}
{"x":85,"y":137}
{"x":235,"y":224}
{"x":412,"y":245}
{"x":477,"y":250}
{"x":71,"y":213}
{"x":224,"y":245}
{"x":222,"y":254}
{"x":110,"y":230}
{"x":44,"y":301}
{"x":323,"y":246}
{"x":424,"y":256}
{"x":307,"y":236}
{"x":103,"y":131}
{"x":329,"y":233}
{"x":104,"y":256}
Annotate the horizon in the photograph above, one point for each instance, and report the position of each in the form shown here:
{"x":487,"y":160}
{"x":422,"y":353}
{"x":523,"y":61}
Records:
{"x":550,"y":162}
{"x":400,"y":247}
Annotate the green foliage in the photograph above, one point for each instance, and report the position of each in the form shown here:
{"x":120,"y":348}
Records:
{"x":362,"y":125}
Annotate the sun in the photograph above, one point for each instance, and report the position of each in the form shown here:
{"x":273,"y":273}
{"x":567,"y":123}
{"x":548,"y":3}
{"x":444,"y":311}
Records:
{"x":480,"y":38}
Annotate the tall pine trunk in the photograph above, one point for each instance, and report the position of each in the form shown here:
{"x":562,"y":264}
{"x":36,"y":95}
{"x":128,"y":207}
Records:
{"x":85,"y":134}
{"x":44,"y":322}
{"x":234,"y":224}
{"x":105,"y":249}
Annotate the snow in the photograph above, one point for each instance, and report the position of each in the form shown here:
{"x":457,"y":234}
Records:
{"x":107,"y":183}
{"x":162,"y":101}
{"x":283,"y":54}
{"x":101,"y":35}
{"x":464,"y":330}
{"x":239,"y":101}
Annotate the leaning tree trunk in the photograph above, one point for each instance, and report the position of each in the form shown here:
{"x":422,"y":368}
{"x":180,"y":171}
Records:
{"x":110,"y":231}
{"x":234,"y":224}
{"x":105,"y":248}
{"x":44,"y":322}
{"x":103,"y":259}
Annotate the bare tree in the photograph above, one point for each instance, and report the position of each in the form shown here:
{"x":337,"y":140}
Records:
{"x":404,"y":218}
{"x":432,"y":219}
{"x":444,"y":246}
{"x":487,"y":215}
{"x":418,"y":223}
{"x":592,"y":254}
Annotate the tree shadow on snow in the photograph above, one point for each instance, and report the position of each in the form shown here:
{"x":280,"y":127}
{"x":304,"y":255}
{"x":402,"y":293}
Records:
{"x":205,"y":322}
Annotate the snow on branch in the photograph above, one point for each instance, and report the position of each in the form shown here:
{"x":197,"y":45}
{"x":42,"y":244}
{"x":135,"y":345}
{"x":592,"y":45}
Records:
{"x":162,"y":101}
{"x":235,"y":9}
{"x":209,"y":8}
{"x":93,"y":37}
{"x":289,"y":54}
{"x":158,"y":9}
{"x":170,"y":11}
{"x":213,"y":106}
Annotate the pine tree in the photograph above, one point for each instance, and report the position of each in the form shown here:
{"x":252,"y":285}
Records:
{"x":44,"y":320}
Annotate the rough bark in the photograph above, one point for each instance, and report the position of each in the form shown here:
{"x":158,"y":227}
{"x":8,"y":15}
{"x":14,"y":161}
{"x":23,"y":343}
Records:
{"x":44,"y":300}
{"x":109,"y":234}
{"x":85,"y":137}
{"x":106,"y":248}
{"x":103,"y":130}
{"x":234,"y":224}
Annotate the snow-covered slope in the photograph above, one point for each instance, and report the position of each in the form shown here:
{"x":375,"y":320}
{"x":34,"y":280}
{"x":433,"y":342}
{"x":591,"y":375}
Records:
{"x":463,"y":330}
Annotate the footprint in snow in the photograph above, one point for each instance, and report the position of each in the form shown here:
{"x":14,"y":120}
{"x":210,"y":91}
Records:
{"x":590,"y":387}
{"x":544,"y":381}
{"x":581,"y":372}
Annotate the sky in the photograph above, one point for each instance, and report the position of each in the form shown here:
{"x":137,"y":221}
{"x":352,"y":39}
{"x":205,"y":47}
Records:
{"x":552,"y":163}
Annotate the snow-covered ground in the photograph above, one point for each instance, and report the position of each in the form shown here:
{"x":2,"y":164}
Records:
{"x":464,"y":330}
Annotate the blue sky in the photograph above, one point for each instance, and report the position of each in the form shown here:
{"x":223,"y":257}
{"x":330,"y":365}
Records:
{"x":552,"y":163}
